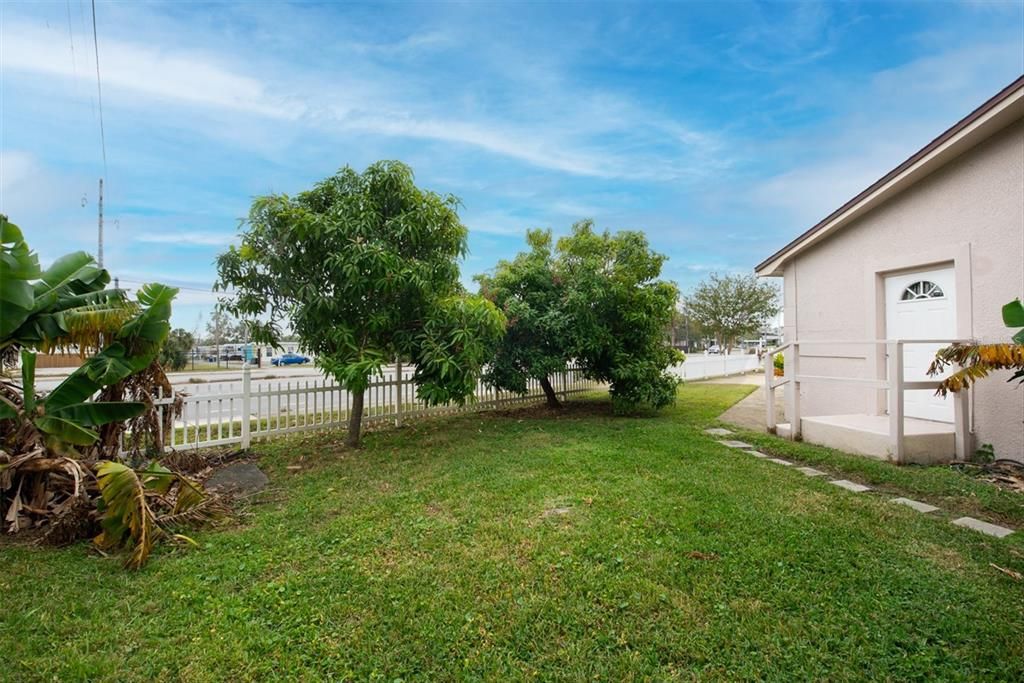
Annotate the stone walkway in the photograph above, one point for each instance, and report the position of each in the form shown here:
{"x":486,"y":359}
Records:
{"x":924,"y":508}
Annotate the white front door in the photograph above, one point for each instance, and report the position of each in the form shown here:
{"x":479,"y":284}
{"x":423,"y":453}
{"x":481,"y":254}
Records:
{"x":922,"y":305}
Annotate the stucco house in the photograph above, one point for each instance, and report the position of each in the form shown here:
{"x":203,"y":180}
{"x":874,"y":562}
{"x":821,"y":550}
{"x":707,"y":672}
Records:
{"x":927,"y":254}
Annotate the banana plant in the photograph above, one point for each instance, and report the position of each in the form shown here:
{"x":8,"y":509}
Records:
{"x":977,"y":361}
{"x":130,"y":519}
{"x":66,"y":305}
{"x":64,"y":417}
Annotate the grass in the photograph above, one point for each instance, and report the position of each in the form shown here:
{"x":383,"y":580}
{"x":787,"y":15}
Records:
{"x":518,"y":546}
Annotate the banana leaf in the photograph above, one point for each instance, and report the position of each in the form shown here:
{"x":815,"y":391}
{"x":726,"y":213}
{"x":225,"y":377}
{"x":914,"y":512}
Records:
{"x":28,"y":381}
{"x":96,"y":413}
{"x":107,"y":367}
{"x":18,"y":266}
{"x":1013,"y":316}
{"x":66,"y":430}
{"x":74,"y":273}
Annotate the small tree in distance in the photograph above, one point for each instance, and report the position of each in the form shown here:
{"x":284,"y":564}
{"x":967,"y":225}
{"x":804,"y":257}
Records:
{"x":364,"y":268}
{"x":732,"y":306}
{"x":222,"y":328}
{"x":176,"y":350}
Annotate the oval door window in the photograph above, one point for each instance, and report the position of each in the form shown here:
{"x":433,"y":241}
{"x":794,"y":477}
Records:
{"x":922,"y":289}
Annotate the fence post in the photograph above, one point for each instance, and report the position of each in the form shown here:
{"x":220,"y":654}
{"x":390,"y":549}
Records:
{"x":895,"y":372}
{"x":246,"y":405}
{"x":769,"y":392}
{"x":398,"y":392}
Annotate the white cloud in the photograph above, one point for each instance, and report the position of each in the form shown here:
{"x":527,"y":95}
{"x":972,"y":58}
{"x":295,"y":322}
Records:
{"x":136,"y":69}
{"x":896,"y":113}
{"x":145,"y":76}
{"x":207,"y":239}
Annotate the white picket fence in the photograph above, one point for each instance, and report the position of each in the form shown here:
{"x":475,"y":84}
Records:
{"x":708,"y":366}
{"x":256,"y":410}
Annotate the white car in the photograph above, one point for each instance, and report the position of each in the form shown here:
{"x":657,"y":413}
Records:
{"x":714,"y":349}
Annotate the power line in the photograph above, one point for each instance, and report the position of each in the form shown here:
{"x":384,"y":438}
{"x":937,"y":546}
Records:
{"x":71,"y":37}
{"x":99,"y":88}
{"x":185,"y":287}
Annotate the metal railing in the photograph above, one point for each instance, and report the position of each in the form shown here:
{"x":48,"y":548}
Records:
{"x":252,"y":410}
{"x":889,"y":378}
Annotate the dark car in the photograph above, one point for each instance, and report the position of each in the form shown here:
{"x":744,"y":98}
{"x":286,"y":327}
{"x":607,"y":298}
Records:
{"x":289,"y":359}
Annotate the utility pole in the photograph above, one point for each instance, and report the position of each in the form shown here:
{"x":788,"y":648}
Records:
{"x":101,"y":225}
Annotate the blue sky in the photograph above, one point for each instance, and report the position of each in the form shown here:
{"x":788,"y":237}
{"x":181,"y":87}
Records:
{"x":721,"y":129}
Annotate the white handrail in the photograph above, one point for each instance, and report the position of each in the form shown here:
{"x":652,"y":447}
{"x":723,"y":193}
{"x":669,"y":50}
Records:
{"x":893,"y":382}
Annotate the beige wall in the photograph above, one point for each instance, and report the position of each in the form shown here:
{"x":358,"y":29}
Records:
{"x":970,"y":214}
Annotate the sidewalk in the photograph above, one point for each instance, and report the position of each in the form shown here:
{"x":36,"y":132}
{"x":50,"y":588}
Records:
{"x":750,"y":412}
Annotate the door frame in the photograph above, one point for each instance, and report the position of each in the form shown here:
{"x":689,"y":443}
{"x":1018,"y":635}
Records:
{"x":935,"y":256}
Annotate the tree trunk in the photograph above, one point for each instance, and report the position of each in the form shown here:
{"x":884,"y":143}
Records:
{"x":355,"y":419}
{"x":549,"y":392}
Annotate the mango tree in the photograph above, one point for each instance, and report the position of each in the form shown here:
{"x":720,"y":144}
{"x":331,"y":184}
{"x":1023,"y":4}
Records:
{"x":363,"y":268}
{"x":532,"y":297}
{"x":596,"y":298}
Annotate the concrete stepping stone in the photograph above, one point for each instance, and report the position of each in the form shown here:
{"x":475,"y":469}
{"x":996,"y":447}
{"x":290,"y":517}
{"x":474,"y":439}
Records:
{"x":718,"y":431}
{"x":983,"y":527}
{"x":779,"y":461}
{"x":756,"y":454}
{"x":850,"y":485}
{"x":735,"y":444}
{"x":915,"y":505}
{"x":241,"y":478}
{"x":811,"y":472}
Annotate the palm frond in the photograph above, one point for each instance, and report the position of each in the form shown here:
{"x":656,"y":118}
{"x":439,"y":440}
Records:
{"x":976,"y":361}
{"x":126,"y":512}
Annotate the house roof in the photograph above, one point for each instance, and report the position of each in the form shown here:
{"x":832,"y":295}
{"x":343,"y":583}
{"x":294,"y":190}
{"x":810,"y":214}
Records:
{"x":1000,"y":110}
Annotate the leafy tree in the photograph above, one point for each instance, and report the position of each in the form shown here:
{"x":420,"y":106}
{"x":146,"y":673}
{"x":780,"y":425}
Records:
{"x":618,"y":310}
{"x":536,"y":342}
{"x":364,"y":268}
{"x":595,"y":298}
{"x":733,"y":306}
{"x":177,"y":348}
{"x":683,"y":330}
{"x":222,"y":328}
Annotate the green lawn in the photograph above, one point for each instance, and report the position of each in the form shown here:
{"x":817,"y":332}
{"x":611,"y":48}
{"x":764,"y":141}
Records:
{"x":518,"y":546}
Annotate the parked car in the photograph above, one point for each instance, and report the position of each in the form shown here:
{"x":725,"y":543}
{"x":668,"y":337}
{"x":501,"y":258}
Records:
{"x":289,"y":359}
{"x":714,"y":349}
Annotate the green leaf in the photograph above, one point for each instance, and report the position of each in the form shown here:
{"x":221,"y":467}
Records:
{"x":1013,"y":314}
{"x":28,"y":380}
{"x":65,"y":430}
{"x":9,"y":232}
{"x":158,"y":478}
{"x":96,"y":413}
{"x":76,"y":272}
{"x":7,"y":411}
